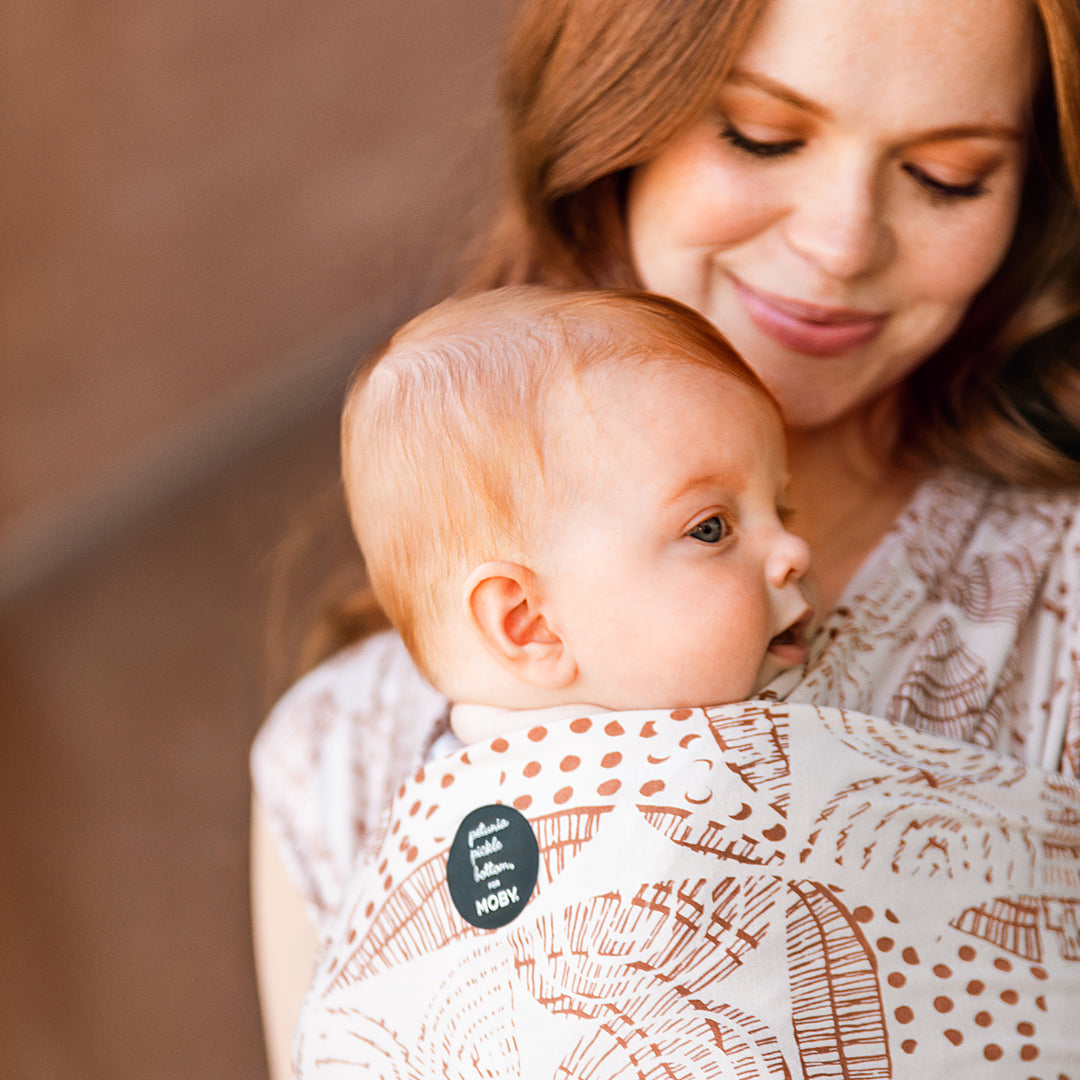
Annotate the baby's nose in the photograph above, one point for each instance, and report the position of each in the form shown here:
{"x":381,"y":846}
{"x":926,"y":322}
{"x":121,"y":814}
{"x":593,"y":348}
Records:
{"x":789,"y":560}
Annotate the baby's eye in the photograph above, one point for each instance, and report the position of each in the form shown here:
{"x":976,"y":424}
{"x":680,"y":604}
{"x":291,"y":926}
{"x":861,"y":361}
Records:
{"x":710,"y":531}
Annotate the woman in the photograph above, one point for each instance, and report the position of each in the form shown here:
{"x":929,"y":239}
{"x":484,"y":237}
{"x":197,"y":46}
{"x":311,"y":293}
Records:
{"x":878,"y":206}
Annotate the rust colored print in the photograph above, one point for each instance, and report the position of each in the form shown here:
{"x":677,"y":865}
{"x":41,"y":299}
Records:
{"x":837,"y":1011}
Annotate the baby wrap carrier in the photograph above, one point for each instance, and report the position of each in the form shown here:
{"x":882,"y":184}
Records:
{"x":754,"y":890}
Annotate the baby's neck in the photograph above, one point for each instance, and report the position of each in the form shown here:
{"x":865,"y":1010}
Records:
{"x":480,"y":723}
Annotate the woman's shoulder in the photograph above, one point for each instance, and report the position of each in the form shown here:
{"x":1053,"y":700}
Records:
{"x":331,"y":752}
{"x":964,"y":622}
{"x":375,"y":674}
{"x":957,"y":528}
{"x":966,"y":493}
{"x":955,"y":517}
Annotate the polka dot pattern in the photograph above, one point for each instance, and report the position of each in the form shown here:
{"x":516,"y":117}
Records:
{"x":715,"y":784}
{"x":664,"y":806}
{"x":972,"y":1011}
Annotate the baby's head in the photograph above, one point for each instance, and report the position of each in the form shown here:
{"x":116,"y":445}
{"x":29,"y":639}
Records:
{"x":567,"y":497}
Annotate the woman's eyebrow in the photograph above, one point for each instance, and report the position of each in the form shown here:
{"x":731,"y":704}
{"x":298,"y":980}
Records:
{"x":775,"y":89}
{"x":757,"y":81}
{"x":968,"y":131}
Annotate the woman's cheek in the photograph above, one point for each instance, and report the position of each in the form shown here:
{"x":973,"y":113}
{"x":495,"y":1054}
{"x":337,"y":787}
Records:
{"x":732,"y":202}
{"x":675,"y":246}
{"x":697,"y":198}
{"x":960,"y":257}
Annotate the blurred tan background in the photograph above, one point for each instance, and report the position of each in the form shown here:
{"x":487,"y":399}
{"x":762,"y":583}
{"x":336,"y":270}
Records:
{"x":208,"y":211}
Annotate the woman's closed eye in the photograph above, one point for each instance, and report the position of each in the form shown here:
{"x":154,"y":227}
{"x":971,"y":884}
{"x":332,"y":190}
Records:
{"x":940,"y":189}
{"x":760,"y":148}
{"x":773,"y":148}
{"x":710,"y":531}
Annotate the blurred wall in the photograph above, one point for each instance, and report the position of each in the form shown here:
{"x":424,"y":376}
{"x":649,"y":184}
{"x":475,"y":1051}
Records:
{"x":207,"y":211}
{"x":199,"y":202}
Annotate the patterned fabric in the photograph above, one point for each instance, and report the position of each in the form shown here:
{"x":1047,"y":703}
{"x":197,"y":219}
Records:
{"x":965,"y":623}
{"x":754,"y":890}
{"x":331,"y":754}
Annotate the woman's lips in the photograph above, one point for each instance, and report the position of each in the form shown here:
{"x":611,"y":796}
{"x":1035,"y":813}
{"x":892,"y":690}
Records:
{"x":812,"y":329}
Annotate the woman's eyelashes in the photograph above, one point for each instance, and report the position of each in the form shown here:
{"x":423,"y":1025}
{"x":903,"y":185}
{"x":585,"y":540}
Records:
{"x":710,"y":531}
{"x":765,"y":149}
{"x":757,"y":147}
{"x":941,"y":190}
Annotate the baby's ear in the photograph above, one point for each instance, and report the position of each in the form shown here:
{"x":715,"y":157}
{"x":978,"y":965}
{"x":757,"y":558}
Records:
{"x":506,"y":609}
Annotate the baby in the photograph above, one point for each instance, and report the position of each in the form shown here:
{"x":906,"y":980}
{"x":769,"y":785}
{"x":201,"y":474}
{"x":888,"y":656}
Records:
{"x":572,"y":509}
{"x":574,"y":501}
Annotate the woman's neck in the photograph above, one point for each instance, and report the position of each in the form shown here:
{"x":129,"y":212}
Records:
{"x":847,"y":494}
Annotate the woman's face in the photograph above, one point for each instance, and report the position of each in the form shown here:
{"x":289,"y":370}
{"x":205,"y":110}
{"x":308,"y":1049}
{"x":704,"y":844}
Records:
{"x":855,"y":185}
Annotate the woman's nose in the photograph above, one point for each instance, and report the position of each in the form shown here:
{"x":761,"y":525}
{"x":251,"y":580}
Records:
{"x":836,"y":222}
{"x":788,"y":561}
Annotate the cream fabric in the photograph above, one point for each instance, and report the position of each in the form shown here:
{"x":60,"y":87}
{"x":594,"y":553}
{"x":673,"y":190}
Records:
{"x":754,"y":890}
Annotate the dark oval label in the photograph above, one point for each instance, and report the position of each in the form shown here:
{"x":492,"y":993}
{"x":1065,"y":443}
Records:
{"x":492,"y":867}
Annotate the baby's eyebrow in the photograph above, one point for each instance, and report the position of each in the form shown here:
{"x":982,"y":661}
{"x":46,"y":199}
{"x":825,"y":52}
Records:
{"x":708,"y":481}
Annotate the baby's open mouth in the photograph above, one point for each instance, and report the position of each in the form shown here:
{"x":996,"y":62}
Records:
{"x":791,"y":646}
